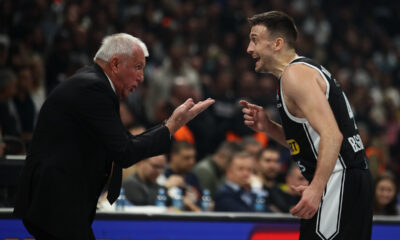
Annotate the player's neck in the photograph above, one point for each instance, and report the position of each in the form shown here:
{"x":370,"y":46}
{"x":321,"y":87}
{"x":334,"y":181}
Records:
{"x":283,"y":61}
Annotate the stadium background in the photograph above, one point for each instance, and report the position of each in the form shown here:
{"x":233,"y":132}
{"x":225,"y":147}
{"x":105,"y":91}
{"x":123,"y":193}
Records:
{"x":198,"y":49}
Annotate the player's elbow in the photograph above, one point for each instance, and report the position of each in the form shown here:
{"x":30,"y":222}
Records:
{"x":338,"y":137}
{"x":334,"y":135}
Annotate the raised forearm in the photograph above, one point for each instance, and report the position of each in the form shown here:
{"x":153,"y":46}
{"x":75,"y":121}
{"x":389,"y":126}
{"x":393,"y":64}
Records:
{"x":275,"y":130}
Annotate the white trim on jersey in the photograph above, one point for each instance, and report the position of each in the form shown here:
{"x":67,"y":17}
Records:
{"x":293,"y":118}
{"x":313,"y":138}
{"x":330,"y":210}
{"x":342,"y":161}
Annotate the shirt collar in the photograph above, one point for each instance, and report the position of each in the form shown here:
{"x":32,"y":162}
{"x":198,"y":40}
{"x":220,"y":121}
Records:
{"x":232,"y":185}
{"x":111,"y":83}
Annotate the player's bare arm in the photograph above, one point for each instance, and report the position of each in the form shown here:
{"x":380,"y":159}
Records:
{"x":255,"y":118}
{"x":304,"y":93}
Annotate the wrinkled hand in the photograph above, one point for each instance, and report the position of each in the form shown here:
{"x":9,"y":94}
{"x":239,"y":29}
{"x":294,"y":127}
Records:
{"x":175,"y":181}
{"x":186,"y":112}
{"x":308,"y":204}
{"x":254,"y":116}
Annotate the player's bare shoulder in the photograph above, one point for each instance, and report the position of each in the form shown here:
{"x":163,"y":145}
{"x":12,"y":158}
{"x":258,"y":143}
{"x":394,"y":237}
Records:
{"x":299,"y":76}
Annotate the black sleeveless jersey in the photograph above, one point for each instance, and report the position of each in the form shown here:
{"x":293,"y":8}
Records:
{"x":304,"y":140}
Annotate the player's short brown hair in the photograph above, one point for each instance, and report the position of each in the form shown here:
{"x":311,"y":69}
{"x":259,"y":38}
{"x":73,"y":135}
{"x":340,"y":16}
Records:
{"x":278,"y":23}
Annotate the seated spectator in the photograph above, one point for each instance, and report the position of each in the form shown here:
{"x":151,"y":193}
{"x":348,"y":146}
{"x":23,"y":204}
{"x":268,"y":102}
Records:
{"x":25,"y":107}
{"x":126,"y":115}
{"x":268,"y":168}
{"x":2,"y":145}
{"x":385,"y":195}
{"x":134,"y":130}
{"x":211,"y":170}
{"x":14,"y":146}
{"x":182,"y":160}
{"x":293,"y":178}
{"x":236,"y":195}
{"x":8,"y":89}
{"x":251,"y":145}
{"x":141,"y":188}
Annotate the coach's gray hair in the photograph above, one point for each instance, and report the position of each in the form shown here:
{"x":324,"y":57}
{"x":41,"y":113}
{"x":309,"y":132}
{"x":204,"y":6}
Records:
{"x":117,"y":44}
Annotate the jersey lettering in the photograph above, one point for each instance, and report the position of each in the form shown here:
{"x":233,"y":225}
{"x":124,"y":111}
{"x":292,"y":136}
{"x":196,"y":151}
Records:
{"x":300,"y":166}
{"x":356,"y":143}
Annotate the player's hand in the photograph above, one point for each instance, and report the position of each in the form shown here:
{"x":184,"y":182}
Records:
{"x":186,"y":112}
{"x":254,"y":116}
{"x":298,"y":190}
{"x":308,"y":204}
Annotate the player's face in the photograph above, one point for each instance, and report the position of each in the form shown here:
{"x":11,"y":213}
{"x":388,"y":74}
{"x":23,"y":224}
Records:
{"x":261,"y":48}
{"x":385,"y":192}
{"x":130,"y":73}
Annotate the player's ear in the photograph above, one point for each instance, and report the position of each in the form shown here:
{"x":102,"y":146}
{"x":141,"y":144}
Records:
{"x":279,"y":43}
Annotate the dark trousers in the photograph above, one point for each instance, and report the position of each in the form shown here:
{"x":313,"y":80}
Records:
{"x":37,"y":232}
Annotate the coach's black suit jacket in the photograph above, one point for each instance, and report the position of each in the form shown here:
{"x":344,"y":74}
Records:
{"x":78,"y":135}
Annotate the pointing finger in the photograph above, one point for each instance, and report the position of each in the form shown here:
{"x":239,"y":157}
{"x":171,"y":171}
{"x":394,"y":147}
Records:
{"x":249,"y":105}
{"x":244,"y":103}
{"x":255,"y":107}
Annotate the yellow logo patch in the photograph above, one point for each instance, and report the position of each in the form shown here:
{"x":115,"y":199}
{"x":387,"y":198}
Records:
{"x":294,"y":147}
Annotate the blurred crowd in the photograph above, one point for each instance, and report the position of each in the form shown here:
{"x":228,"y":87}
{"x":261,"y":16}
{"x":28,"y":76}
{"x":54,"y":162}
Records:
{"x":198,"y":50}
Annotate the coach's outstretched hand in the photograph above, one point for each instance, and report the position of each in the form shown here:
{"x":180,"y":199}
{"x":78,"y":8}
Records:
{"x":186,"y":112}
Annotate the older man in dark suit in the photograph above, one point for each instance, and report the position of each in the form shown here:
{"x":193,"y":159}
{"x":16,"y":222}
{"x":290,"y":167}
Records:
{"x":79,"y":141}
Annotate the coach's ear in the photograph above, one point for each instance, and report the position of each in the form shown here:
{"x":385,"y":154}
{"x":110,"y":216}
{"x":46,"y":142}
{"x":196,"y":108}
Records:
{"x":115,"y":64}
{"x":279,"y":43}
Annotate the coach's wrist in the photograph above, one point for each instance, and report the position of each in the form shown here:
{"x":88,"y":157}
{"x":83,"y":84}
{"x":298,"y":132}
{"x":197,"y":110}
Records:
{"x":171,"y":125}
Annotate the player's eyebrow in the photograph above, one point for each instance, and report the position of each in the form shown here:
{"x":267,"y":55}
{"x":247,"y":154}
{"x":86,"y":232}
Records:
{"x":253,"y":34}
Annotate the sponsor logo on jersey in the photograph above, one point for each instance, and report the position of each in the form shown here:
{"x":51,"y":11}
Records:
{"x":294,"y":147}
